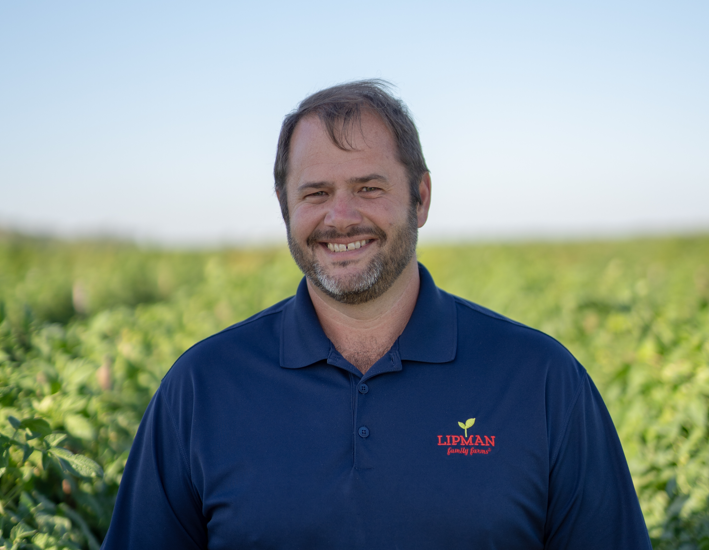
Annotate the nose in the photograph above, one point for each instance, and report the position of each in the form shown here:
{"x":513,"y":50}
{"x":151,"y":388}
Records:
{"x":343,"y":212}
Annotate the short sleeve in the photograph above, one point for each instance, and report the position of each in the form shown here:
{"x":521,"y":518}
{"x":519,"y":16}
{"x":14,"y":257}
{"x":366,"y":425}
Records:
{"x":592,"y":501}
{"x":157,"y":506}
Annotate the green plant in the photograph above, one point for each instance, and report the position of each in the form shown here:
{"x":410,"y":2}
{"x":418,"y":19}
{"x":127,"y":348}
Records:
{"x":31,"y":459}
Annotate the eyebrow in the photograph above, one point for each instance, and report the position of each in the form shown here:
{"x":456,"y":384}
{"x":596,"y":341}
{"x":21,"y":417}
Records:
{"x":313,"y":185}
{"x":365,"y":179}
{"x":355,"y":180}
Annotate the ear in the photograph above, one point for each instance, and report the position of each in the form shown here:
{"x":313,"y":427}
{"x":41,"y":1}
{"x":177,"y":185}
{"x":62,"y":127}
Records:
{"x":425,"y":194}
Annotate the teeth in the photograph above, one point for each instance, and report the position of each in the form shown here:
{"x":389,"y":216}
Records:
{"x":335,"y":247}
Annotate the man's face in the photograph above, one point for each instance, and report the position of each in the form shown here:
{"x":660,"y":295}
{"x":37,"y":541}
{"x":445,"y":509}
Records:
{"x":353,"y":224}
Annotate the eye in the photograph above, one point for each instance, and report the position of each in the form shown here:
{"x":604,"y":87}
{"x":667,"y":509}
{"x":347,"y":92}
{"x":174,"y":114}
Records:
{"x":369,"y":189}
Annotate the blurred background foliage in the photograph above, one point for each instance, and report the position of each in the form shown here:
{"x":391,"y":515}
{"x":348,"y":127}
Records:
{"x":88,"y":329}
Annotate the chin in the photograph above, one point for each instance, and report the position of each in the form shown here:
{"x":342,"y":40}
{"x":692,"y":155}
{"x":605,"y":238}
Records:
{"x":397,"y":250}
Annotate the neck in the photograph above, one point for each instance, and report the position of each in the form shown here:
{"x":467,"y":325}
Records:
{"x":363,"y":333}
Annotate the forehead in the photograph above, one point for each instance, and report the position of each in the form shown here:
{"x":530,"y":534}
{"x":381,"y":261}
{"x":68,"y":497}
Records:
{"x":369,"y":145}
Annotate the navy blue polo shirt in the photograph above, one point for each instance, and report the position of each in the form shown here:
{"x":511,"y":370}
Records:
{"x":473,"y":431}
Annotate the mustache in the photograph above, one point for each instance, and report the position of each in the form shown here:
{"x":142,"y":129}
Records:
{"x":332,"y":234}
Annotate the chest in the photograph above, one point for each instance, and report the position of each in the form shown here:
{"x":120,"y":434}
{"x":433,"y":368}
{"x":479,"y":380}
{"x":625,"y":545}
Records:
{"x":333,"y":462}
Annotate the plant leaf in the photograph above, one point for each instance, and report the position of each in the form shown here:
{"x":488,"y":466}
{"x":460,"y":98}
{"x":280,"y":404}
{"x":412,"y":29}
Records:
{"x":37,"y":426}
{"x":55,"y":439}
{"x":469,"y":423}
{"x":79,"y":426}
{"x":26,"y":452}
{"x":78,"y":464}
{"x":15,"y":424}
{"x":21,"y":531}
{"x":461,"y":425}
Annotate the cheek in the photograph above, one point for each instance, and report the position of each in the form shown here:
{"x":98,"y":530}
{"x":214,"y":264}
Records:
{"x":303,"y":220}
{"x":388,"y":214}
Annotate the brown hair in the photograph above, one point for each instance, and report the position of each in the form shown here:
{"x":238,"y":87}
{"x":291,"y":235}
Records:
{"x":340,"y":108}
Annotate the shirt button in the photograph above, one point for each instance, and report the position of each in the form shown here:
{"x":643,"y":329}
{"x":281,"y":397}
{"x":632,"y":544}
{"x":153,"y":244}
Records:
{"x":363,"y":388}
{"x":364,"y":431}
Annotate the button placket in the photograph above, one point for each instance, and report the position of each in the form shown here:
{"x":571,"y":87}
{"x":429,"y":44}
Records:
{"x":363,"y":431}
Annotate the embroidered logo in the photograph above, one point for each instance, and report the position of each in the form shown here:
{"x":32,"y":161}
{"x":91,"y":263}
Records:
{"x":468,"y":424}
{"x":473,"y":444}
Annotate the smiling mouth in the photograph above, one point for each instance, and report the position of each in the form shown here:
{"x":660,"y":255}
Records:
{"x":336,"y":247}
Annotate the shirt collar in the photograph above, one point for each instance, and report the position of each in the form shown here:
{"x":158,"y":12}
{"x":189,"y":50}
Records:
{"x":431,"y":335}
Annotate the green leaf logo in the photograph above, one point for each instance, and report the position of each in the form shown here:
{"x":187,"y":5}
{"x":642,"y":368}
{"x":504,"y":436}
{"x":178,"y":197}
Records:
{"x":468,"y":424}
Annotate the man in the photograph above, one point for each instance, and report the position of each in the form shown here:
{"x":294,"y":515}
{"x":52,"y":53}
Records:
{"x":372,"y":410}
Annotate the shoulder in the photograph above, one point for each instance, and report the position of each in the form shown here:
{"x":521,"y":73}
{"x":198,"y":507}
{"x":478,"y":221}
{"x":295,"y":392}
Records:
{"x":500,"y":330}
{"x":514,"y":350}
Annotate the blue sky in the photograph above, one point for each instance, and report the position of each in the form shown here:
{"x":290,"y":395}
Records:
{"x":158,"y":120}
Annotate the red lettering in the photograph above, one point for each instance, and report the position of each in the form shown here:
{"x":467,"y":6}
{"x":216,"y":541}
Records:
{"x":458,"y":451}
{"x":471,"y":440}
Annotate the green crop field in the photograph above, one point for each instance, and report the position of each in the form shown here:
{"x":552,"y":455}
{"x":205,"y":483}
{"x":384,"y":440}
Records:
{"x":87,"y":330}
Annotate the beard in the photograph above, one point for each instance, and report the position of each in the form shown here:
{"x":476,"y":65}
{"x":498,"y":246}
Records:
{"x":378,"y":275}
